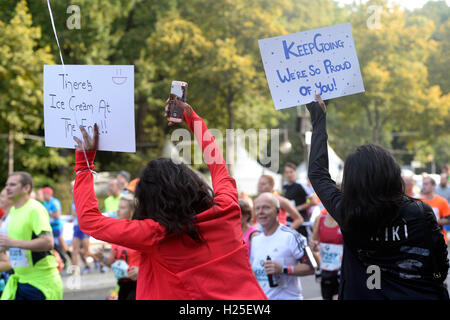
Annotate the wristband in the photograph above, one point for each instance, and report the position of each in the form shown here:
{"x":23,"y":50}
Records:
{"x":288,"y":270}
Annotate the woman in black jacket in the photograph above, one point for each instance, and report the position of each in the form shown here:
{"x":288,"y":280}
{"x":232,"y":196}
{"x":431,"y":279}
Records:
{"x":393,"y":248}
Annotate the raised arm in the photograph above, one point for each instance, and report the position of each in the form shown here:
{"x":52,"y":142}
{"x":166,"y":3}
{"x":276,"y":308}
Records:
{"x":134,"y":234}
{"x":297,"y":219}
{"x":222,"y":183}
{"x":318,"y":174}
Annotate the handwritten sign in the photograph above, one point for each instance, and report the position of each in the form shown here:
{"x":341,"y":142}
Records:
{"x":82,"y":95}
{"x":320,"y":61}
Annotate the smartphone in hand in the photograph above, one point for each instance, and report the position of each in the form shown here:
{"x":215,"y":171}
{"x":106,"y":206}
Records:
{"x":178,"y":90}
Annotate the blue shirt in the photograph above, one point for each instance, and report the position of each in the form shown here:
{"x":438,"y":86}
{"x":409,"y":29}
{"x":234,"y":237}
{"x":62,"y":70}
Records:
{"x":52,"y":206}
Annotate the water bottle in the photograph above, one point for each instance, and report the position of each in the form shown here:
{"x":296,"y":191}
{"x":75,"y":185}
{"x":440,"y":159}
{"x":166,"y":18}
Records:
{"x":272,"y":281}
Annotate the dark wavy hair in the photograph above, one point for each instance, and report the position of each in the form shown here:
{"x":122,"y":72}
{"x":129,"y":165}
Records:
{"x":373,"y":191}
{"x":172,"y":194}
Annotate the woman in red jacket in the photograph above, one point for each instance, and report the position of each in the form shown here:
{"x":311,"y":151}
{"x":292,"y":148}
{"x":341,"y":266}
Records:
{"x":189,"y":237}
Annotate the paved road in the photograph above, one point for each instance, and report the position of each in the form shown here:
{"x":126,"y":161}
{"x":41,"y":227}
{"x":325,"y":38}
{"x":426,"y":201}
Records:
{"x":97,"y":286}
{"x":94,"y":286}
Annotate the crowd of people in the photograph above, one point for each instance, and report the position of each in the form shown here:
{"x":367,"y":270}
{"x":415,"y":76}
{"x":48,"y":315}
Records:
{"x":171,"y":234}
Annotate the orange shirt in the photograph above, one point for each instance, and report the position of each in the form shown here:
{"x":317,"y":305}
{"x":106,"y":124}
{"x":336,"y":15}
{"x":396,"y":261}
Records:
{"x":440,"y":209}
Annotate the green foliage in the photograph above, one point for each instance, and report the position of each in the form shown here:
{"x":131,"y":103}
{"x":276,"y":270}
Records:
{"x":213,"y":46}
{"x":399,"y":95}
{"x":21,"y":65}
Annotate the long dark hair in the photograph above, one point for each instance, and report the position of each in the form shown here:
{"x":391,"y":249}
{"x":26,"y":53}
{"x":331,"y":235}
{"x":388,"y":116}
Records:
{"x":373,"y":191}
{"x":172,"y":194}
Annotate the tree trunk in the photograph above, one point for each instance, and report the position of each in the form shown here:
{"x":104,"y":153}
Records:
{"x":141,"y":111}
{"x":11,"y":151}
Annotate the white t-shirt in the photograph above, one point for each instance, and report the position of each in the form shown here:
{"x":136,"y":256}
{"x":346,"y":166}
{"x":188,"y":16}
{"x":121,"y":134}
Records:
{"x":4,"y":227}
{"x":285,"y":246}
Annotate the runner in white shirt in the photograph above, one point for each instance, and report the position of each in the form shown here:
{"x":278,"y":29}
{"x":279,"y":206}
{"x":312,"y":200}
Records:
{"x":286,"y":248}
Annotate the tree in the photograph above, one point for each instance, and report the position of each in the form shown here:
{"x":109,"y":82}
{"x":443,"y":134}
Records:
{"x":212,"y":54}
{"x":21,"y":61}
{"x":439,"y":61}
{"x":439,"y":13}
{"x":398,"y":97}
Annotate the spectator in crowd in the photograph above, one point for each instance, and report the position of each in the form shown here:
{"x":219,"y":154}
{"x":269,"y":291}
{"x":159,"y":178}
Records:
{"x":30,"y":242}
{"x":393,"y":247}
{"x":189,"y":236}
{"x":278,"y":252}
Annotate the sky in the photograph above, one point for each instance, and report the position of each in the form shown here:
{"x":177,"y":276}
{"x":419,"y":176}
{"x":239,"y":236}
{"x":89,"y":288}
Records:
{"x":409,"y":4}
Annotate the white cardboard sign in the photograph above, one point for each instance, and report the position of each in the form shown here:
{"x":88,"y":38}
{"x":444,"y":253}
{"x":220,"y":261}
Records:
{"x":82,"y":95}
{"x":320,"y":61}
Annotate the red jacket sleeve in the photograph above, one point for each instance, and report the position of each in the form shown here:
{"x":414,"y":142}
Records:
{"x":135,"y":234}
{"x":224,"y":186}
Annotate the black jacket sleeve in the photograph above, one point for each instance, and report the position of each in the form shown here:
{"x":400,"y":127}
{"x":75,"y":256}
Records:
{"x":438,"y":248}
{"x":318,"y":173}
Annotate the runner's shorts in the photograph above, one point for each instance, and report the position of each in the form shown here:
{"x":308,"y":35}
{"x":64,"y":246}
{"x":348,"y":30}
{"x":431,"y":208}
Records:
{"x":77,"y":233}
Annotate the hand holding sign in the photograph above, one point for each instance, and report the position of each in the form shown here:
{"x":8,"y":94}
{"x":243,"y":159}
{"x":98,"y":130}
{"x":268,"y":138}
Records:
{"x":80,"y":95}
{"x":316,"y":108}
{"x":319,"y":61}
{"x":321,"y":103}
{"x":89,"y":144}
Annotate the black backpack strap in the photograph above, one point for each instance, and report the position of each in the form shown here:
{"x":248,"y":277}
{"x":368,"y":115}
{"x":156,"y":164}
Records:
{"x":438,"y":274}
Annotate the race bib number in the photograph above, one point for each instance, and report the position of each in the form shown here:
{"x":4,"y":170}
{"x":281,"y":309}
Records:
{"x":120,"y":269}
{"x":331,"y":256}
{"x":18,"y":258}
